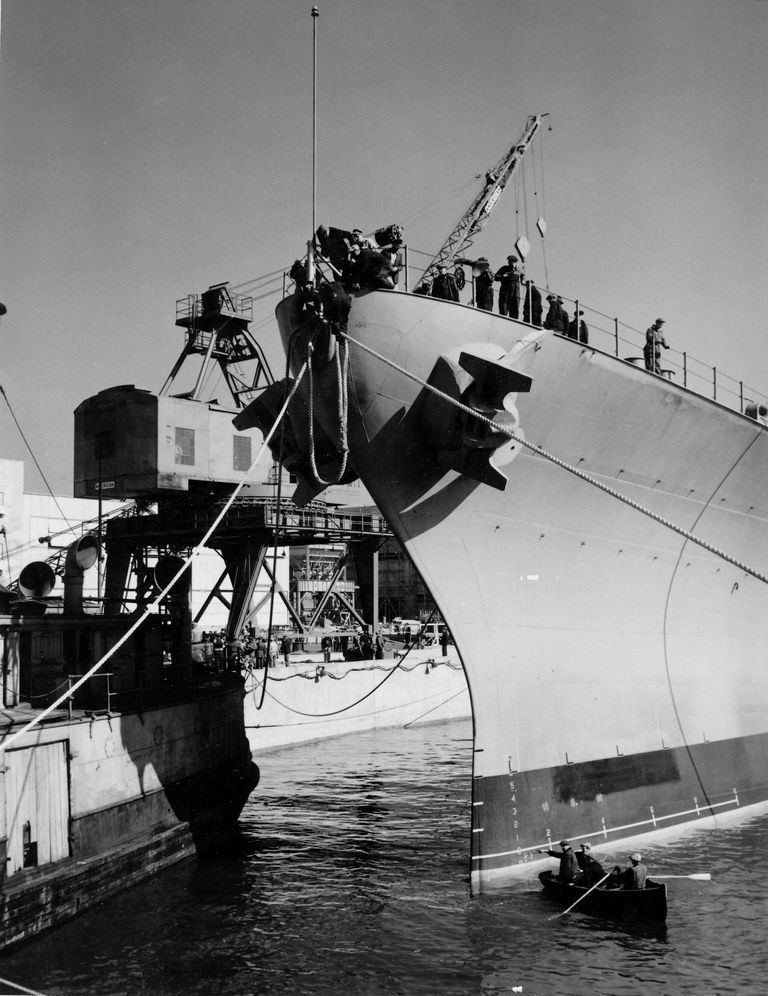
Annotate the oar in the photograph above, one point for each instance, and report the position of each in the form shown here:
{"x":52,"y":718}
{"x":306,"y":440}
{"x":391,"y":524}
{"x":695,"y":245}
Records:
{"x":584,"y":896}
{"x":697,"y":876}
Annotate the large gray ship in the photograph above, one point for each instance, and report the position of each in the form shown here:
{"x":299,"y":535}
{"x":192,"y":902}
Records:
{"x":593,"y":532}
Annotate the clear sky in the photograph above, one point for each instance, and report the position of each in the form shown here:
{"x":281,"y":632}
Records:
{"x":149,"y":148}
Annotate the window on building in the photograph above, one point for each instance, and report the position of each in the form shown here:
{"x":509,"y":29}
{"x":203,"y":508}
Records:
{"x":241,"y":452}
{"x":185,"y":446}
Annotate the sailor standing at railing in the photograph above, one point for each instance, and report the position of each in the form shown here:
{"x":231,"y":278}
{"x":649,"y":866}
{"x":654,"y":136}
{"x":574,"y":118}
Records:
{"x":555,"y":319}
{"x":577,"y":328}
{"x":509,"y":276}
{"x":654,"y":340}
{"x":483,"y":276}
{"x":444,"y":285}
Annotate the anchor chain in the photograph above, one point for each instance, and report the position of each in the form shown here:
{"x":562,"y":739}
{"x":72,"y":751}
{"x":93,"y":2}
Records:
{"x":342,"y":365}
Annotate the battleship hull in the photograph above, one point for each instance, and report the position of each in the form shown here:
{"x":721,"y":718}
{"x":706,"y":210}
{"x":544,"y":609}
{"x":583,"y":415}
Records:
{"x":615,"y":667}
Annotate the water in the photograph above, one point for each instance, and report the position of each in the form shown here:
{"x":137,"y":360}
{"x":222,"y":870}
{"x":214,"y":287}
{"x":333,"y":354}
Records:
{"x":352,"y":879}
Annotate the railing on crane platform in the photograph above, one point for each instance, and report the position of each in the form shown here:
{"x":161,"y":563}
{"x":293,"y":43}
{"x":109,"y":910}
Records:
{"x":190,"y":308}
{"x":316,"y":517}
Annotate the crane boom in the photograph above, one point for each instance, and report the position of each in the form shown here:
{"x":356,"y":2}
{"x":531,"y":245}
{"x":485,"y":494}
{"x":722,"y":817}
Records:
{"x":471,"y":222}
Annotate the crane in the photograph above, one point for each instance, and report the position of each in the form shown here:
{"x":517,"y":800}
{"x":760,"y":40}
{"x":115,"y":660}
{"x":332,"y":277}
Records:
{"x":474,"y":218}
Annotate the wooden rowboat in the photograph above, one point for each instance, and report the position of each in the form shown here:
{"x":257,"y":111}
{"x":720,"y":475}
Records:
{"x":649,"y":903}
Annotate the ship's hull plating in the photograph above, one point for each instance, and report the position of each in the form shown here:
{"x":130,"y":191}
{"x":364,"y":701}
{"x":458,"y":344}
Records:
{"x":616,"y":669}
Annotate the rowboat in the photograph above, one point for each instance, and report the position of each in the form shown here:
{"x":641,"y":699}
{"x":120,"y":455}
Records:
{"x":649,"y":903}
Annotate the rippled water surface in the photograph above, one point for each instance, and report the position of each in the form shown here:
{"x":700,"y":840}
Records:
{"x":353,"y":879}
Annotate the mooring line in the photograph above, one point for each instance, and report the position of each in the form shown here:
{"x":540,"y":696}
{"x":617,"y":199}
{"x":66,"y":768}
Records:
{"x":153,"y":606}
{"x":564,"y":465}
{"x":18,"y":988}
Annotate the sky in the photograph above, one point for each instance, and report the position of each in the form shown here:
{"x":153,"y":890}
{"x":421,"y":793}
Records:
{"x":150,"y":148}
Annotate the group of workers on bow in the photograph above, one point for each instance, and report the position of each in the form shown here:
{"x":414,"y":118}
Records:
{"x":582,"y":868}
{"x":358,"y":262}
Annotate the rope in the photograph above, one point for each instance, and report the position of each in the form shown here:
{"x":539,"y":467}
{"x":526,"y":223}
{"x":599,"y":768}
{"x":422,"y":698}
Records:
{"x":587,"y":478}
{"x":346,"y":708}
{"x":153,"y":606}
{"x":20,"y":988}
{"x":438,"y":706}
{"x":543,"y":215}
{"x":342,"y":365}
{"x":434,"y":662}
{"x":34,"y":458}
{"x":277,"y":528}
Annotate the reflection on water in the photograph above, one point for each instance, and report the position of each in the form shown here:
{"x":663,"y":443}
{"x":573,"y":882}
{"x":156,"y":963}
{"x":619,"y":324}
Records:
{"x":352,"y":878}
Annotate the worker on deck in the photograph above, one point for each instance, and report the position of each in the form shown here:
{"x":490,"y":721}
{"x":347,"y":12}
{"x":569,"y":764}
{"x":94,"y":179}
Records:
{"x":577,"y":328}
{"x":509,"y":277}
{"x":393,"y":253}
{"x":654,"y":340}
{"x":554,"y":319}
{"x":444,"y":285}
{"x":569,"y":867}
{"x":532,"y":309}
{"x":591,"y":869}
{"x":369,"y":269}
{"x":483,"y":276}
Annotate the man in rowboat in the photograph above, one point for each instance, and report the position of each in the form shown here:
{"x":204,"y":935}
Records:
{"x":631,"y":878}
{"x":591,"y":869}
{"x":569,"y":867}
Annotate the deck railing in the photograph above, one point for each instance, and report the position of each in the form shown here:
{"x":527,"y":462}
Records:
{"x":611,"y":335}
{"x":614,"y":337}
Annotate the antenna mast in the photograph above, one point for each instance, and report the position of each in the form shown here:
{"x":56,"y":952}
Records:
{"x":311,"y":243}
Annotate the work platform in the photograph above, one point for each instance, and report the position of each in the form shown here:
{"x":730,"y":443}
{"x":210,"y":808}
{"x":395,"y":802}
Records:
{"x":182,"y":524}
{"x":251,"y":527}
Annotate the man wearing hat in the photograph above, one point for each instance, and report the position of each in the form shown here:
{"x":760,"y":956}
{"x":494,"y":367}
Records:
{"x":577,"y":328}
{"x":509,"y":292}
{"x":591,"y":869}
{"x":633,"y":877}
{"x":532,"y":308}
{"x":555,"y":319}
{"x":569,"y":867}
{"x":483,"y":277}
{"x":654,"y":340}
{"x":444,"y":285}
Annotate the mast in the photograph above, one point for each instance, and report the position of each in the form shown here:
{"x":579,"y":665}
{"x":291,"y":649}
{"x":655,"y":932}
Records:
{"x":474,"y":218}
{"x":310,"y":276}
